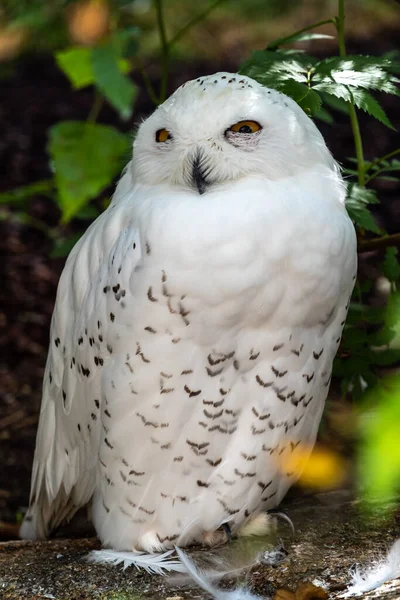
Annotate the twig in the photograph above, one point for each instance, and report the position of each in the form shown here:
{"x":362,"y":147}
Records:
{"x":379,"y":243}
{"x":200,"y":17}
{"x":96,"y":108}
{"x":339,"y":23}
{"x":164,"y":50}
{"x":377,"y":161}
{"x":293,"y":36}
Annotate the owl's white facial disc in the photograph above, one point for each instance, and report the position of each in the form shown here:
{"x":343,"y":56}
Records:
{"x":222,"y":128}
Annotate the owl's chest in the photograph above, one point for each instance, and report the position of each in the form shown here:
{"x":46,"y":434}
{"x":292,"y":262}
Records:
{"x":246,"y":274}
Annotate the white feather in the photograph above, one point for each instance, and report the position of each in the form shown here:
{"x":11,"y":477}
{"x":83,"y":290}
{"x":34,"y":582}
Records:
{"x":380,"y":572}
{"x":202,"y":581}
{"x":156,"y":564}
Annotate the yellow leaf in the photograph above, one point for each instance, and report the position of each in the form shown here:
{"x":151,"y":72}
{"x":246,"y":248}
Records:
{"x":319,"y":468}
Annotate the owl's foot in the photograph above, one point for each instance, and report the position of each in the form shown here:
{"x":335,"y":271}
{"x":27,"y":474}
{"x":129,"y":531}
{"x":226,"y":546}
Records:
{"x":218,"y":537}
{"x":150,"y":542}
{"x":261,"y":524}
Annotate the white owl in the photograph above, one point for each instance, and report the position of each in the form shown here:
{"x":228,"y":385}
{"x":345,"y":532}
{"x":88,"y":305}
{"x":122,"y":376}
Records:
{"x":195,"y":324}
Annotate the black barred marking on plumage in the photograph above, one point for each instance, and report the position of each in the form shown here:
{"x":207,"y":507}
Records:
{"x":277,"y":347}
{"x":214,"y":463}
{"x":317,"y":354}
{"x":226,"y":508}
{"x":137,"y":473}
{"x":264,"y":384}
{"x":178,"y":458}
{"x":221,"y":429}
{"x":253,"y":356}
{"x":244,"y":475}
{"x":218,"y":403}
{"x":150,"y":295}
{"x":258,"y":415}
{"x":197,"y":445}
{"x":278,"y":373}
{"x":256,"y":431}
{"x":150,"y":329}
{"x":263,"y":485}
{"x":248,"y":457}
{"x":140,"y":353}
{"x":268,"y":497}
{"x":214,"y":373}
{"x":309,"y":377}
{"x":202,"y":483}
{"x":306,"y":403}
{"x":128,"y":364}
{"x":151,"y":423}
{"x":187,"y":372}
{"x":190,"y":392}
{"x":213,"y":416}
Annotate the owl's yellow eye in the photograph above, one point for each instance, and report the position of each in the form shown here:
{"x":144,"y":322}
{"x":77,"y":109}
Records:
{"x":162,"y":135}
{"x":246,"y":127}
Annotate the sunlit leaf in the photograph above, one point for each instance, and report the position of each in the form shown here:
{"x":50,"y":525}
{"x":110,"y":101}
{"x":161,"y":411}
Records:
{"x":75,"y":62}
{"x":289,"y":75}
{"x":368,"y":72}
{"x":86,"y":157}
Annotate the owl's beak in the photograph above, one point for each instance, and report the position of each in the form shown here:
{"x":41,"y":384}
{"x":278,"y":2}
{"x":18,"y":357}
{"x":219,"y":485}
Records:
{"x":198,"y":173}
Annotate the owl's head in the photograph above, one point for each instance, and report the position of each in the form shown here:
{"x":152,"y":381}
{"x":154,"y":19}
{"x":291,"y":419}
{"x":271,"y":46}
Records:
{"x":225,"y":127}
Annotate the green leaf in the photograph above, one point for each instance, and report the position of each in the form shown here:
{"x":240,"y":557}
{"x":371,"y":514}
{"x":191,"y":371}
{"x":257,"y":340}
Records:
{"x":75,"y":62}
{"x":390,"y":265}
{"x":115,"y":86}
{"x":86,"y":157}
{"x":379,"y":450}
{"x":272,"y":69}
{"x":357,"y":202}
{"x":324,"y":115}
{"x":369,"y":104}
{"x":298,"y":37}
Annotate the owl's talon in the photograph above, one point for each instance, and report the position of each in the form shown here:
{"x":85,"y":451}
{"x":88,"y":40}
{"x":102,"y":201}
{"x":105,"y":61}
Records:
{"x":227,"y":529}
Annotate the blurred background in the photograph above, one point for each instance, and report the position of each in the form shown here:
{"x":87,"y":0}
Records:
{"x":46,"y":78}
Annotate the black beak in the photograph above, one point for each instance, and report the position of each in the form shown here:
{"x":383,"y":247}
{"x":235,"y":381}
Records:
{"x":198,"y":174}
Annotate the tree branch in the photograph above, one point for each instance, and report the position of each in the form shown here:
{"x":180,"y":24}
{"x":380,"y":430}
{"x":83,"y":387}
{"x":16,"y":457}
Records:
{"x":379,"y":243}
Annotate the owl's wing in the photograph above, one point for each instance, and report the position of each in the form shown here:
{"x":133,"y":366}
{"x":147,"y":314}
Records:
{"x":63,"y":477}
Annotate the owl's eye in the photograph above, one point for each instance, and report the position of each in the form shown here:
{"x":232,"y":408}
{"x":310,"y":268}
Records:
{"x":162,"y":135}
{"x":245,"y":127}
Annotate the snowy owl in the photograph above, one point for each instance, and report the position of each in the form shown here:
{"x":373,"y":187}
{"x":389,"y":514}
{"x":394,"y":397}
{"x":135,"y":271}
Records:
{"x":195,"y":324}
